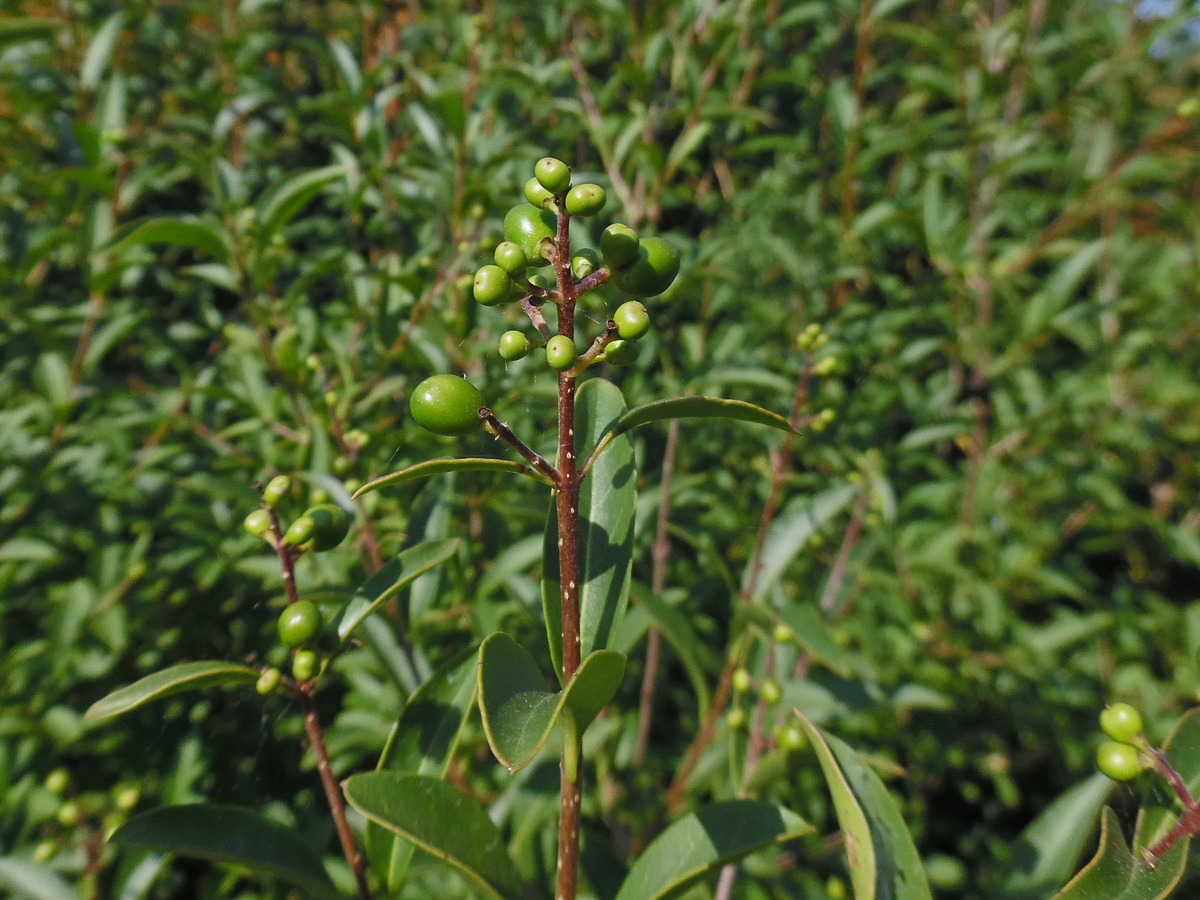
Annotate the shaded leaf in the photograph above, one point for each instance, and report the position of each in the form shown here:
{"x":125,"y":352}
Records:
{"x":288,"y":196}
{"x":1113,"y":873}
{"x":184,"y":677}
{"x":445,"y":466}
{"x":393,"y":577}
{"x":30,"y":880}
{"x":181,"y":232}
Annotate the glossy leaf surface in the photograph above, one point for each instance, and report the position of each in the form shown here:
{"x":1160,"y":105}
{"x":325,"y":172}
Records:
{"x":183,"y":677}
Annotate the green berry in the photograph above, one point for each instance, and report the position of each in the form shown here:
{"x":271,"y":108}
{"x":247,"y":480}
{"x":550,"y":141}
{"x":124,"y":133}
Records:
{"x":561,"y":353}
{"x":791,"y":737}
{"x":770,"y":692}
{"x":44,"y":851}
{"x":632,"y":320}
{"x":742,"y":681}
{"x":69,"y":814}
{"x":1121,"y":722}
{"x":510,"y":257}
{"x":620,"y":353}
{"x":619,"y":244}
{"x":257,"y":522}
{"x":446,"y":404}
{"x":585,"y":200}
{"x":652,"y":271}
{"x":783,"y":633}
{"x":532,"y":230}
{"x":268,"y":681}
{"x":552,"y":174}
{"x":299,"y":623}
{"x":356,"y":438}
{"x":736,"y":718}
{"x":584,"y":263}
{"x":304,"y":665}
{"x":331,"y":525}
{"x":492,"y":285}
{"x":58,"y":781}
{"x":1120,"y":762}
{"x":513,"y":346}
{"x":537,"y":195}
{"x":277,"y":488}
{"x":299,"y":532}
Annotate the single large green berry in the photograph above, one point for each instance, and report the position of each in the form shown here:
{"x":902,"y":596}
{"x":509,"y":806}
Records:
{"x":492,"y":285}
{"x":620,"y":353}
{"x":304,"y":665}
{"x":561,"y":353}
{"x":513,"y":346}
{"x":277,"y":488}
{"x":299,"y":623}
{"x":653,"y":270}
{"x":510,"y":257}
{"x":619,"y":244}
{"x":532,"y":230}
{"x":299,"y":532}
{"x":257,"y":522}
{"x":268,"y":680}
{"x":538,"y":195}
{"x":585,"y":262}
{"x":331,"y":525}
{"x":1121,"y":722}
{"x":585,"y":200}
{"x":446,"y":404}
{"x":552,"y":174}
{"x":632,"y":320}
{"x":1120,"y":762}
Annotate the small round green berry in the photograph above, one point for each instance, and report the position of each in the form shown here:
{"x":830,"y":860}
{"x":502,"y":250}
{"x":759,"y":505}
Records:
{"x":331,"y":525}
{"x":585,"y":200}
{"x":511,"y":258}
{"x":58,"y":781}
{"x":304,"y":665}
{"x":632,"y":320}
{"x":300,"y":531}
{"x":736,"y":718}
{"x":791,"y":737}
{"x":619,"y":245}
{"x":770,"y":692}
{"x":257,"y":522}
{"x":742,"y":681}
{"x":1120,"y":762}
{"x":561,"y":353}
{"x":783,"y":633}
{"x":268,"y":681}
{"x":319,"y":495}
{"x":552,"y":174}
{"x":44,"y":851}
{"x":446,"y":404}
{"x":492,"y":285}
{"x":652,"y":271}
{"x":299,"y":623}
{"x":277,"y":488}
{"x":126,"y":796}
{"x":620,"y":353}
{"x":69,"y":814}
{"x":1121,"y":722}
{"x":531,"y":229}
{"x":356,"y":438}
{"x":513,"y":346}
{"x":537,"y":195}
{"x":584,"y":263}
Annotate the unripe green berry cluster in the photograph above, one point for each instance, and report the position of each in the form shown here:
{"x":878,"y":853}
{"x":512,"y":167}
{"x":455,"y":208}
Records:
{"x":1122,"y":757}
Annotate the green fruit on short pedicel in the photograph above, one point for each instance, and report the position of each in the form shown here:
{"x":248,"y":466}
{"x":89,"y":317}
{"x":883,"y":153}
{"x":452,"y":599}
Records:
{"x":1118,"y":761}
{"x":492,"y":285}
{"x":1121,"y":722}
{"x":331,"y":525}
{"x":552,"y":174}
{"x":304,"y":665}
{"x":257,"y":522}
{"x":268,"y":680}
{"x":277,"y":488}
{"x":299,"y":532}
{"x":584,"y":263}
{"x":619,"y":244}
{"x":653,"y":270}
{"x":770,"y":692}
{"x":510,"y":257}
{"x":620,"y":353}
{"x":632,"y":320}
{"x":299,"y":623}
{"x":585,"y":200}
{"x":742,"y":680}
{"x":513,"y":346}
{"x":532,"y":230}
{"x":446,"y":404}
{"x":538,"y":195}
{"x":561,"y":353}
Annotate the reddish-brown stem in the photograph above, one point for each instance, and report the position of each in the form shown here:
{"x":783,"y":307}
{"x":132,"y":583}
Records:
{"x":286,"y":559}
{"x":1163,"y":766}
{"x":502,"y":431}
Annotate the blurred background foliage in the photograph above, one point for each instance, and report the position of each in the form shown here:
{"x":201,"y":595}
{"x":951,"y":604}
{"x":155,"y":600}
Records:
{"x":231,"y":234}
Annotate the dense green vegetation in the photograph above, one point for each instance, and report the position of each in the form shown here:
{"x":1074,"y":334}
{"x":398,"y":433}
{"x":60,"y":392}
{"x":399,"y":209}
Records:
{"x":958,"y":243}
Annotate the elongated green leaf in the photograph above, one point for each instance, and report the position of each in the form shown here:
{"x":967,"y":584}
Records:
{"x":393,"y":577}
{"x":32,"y":881}
{"x":1114,"y":874}
{"x":230,"y":834}
{"x":100,"y":51}
{"x":184,"y":677}
{"x":883,"y":860}
{"x":678,"y":630}
{"x":18,"y":29}
{"x":180,"y":232}
{"x":1048,"y":850}
{"x":812,"y":633}
{"x":688,"y":408}
{"x":288,"y":196}
{"x":445,"y":466}
{"x":701,"y":842}
{"x":607,"y":503}
{"x":442,"y":821}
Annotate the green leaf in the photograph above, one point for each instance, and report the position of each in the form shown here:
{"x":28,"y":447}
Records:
{"x":184,"y":677}
{"x":176,"y":231}
{"x":230,"y":834}
{"x":813,"y":634}
{"x":394,"y":576}
{"x":687,"y":408}
{"x":34,"y":882}
{"x":281,"y":202}
{"x":879,"y":850}
{"x":1182,"y":748}
{"x":18,"y":30}
{"x":703,"y":841}
{"x":1047,"y":851}
{"x":442,"y":821}
{"x":679,"y":633}
{"x":100,"y":51}
{"x":445,"y":466}
{"x":607,"y":503}
{"x":1114,"y":874}
{"x":519,"y":710}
